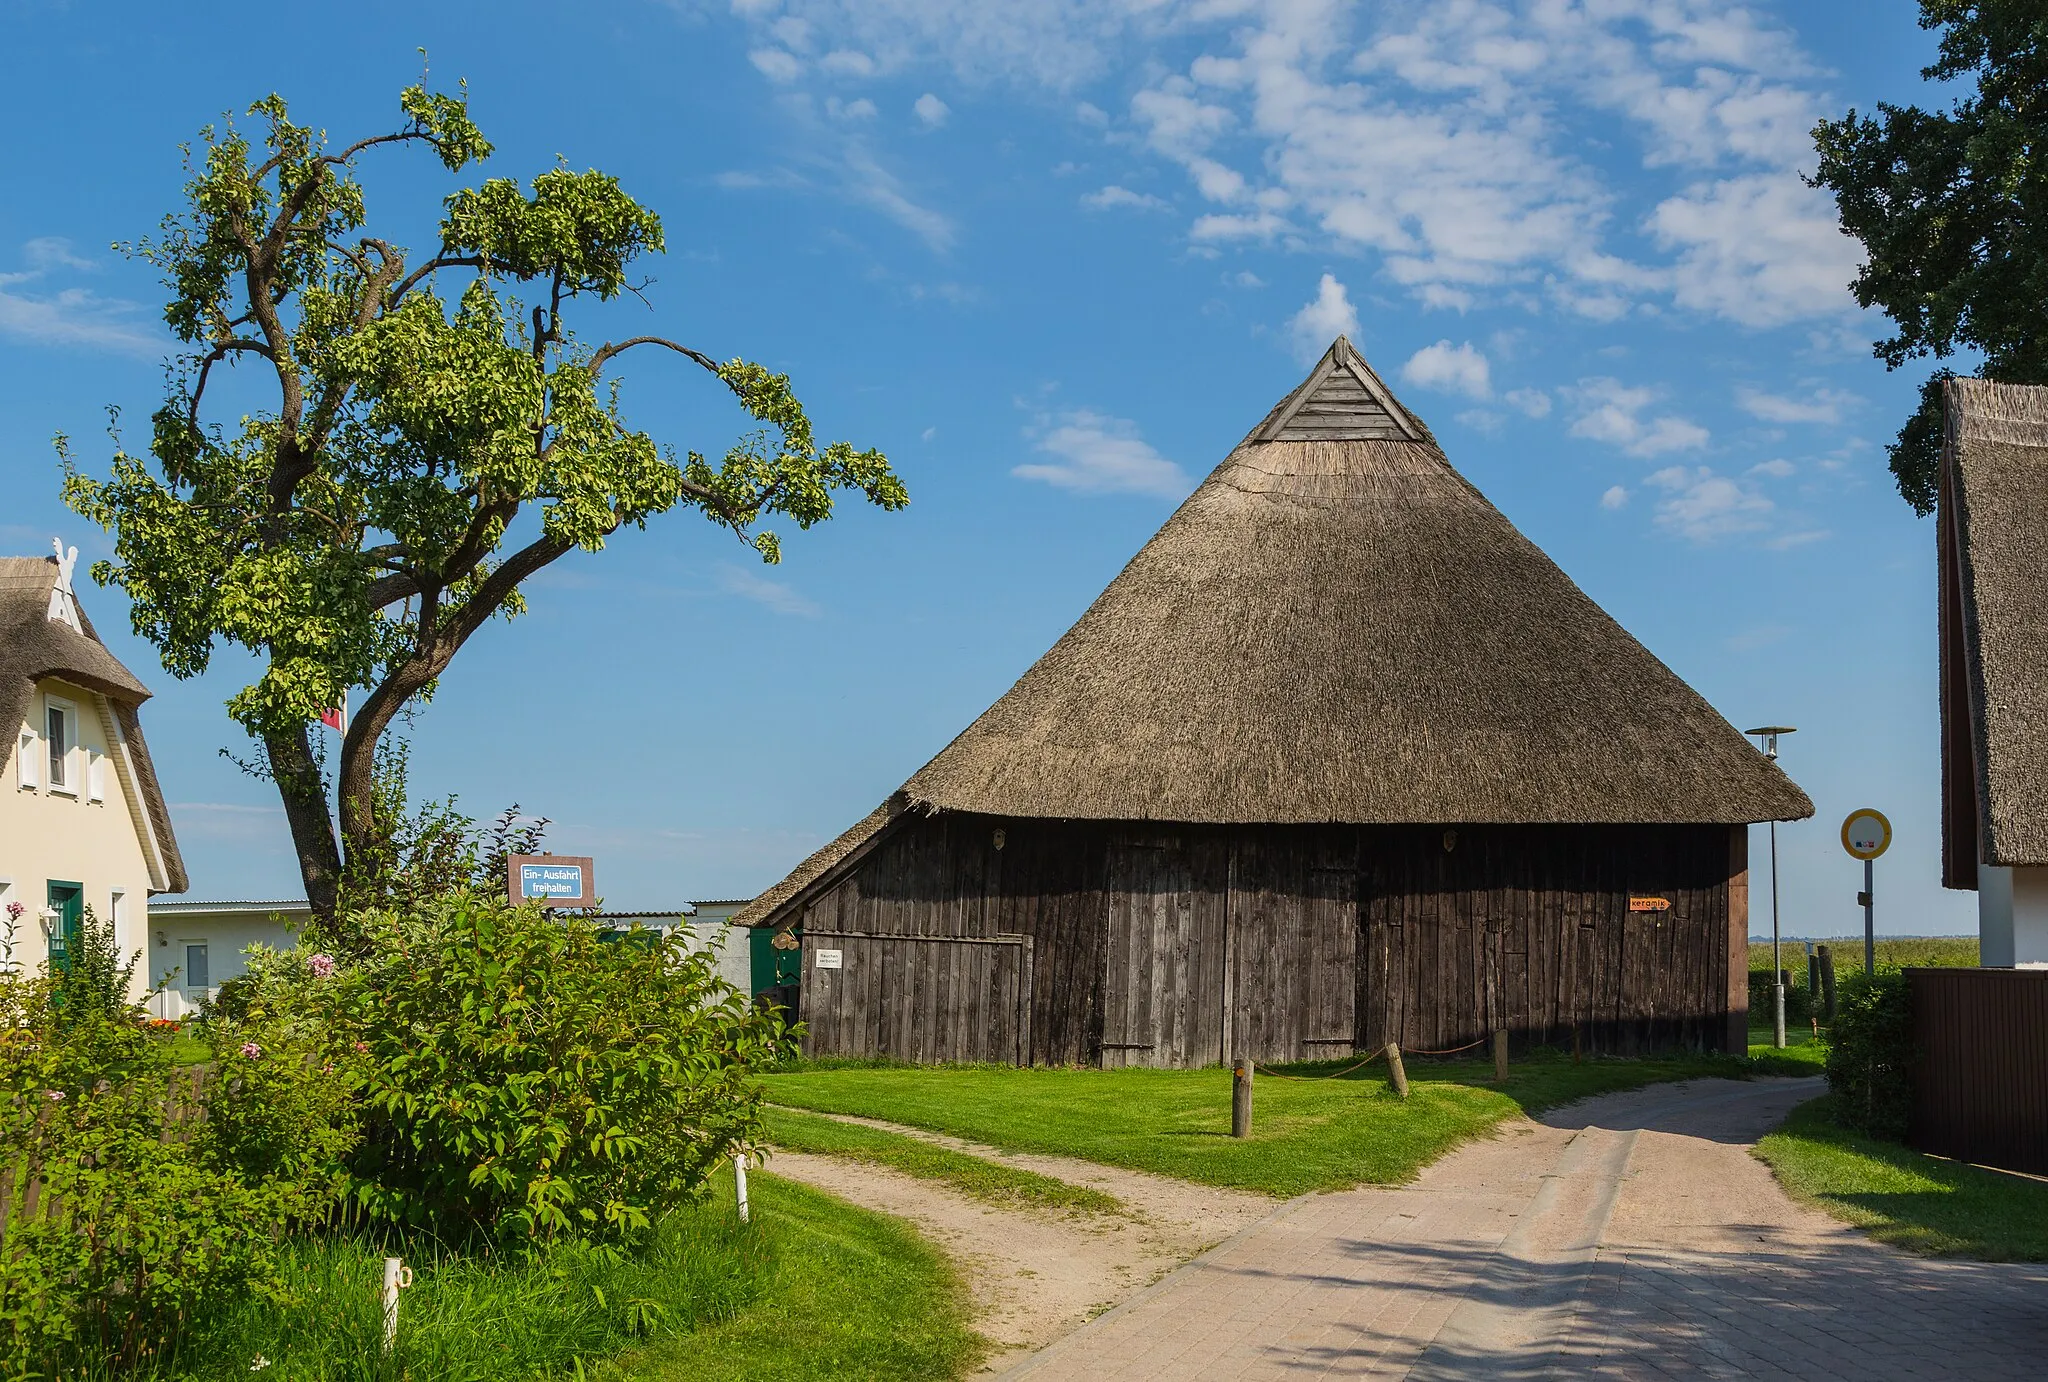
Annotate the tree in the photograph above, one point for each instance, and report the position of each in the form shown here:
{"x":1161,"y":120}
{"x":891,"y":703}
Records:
{"x":1952,"y":210}
{"x":435,"y":434}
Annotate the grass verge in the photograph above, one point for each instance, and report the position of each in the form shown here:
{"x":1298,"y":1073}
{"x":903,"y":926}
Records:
{"x":1307,"y":1134}
{"x":1905,"y":1198}
{"x":971,"y":1175}
{"x":813,"y":1288}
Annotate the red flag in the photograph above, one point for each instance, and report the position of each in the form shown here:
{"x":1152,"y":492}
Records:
{"x":336,"y":719}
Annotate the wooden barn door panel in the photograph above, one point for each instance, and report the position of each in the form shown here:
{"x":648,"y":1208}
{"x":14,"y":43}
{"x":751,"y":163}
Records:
{"x":1294,"y":947}
{"x":919,"y":998}
{"x":1162,"y":977}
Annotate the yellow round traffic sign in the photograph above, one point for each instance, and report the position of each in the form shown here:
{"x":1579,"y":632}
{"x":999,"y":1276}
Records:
{"x":1866,"y":834}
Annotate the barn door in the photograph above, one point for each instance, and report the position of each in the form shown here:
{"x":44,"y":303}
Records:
{"x":1294,"y":947}
{"x":1163,"y":954}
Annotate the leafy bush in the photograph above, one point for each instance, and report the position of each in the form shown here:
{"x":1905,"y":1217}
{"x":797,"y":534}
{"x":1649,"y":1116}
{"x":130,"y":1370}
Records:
{"x":1799,"y":1005}
{"x":134,"y":1192}
{"x":1870,"y":1053}
{"x":522,"y":1079}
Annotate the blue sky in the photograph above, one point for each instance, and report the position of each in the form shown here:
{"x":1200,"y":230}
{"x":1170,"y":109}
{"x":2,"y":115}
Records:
{"x":1056,"y":259}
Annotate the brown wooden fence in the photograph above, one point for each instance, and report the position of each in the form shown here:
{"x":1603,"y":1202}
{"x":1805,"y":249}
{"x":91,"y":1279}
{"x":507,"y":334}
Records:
{"x":1980,"y":1083}
{"x":917,"y":998}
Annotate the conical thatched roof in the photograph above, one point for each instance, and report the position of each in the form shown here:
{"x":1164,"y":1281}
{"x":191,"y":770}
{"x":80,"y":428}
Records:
{"x":1994,"y":585}
{"x":1336,"y":626}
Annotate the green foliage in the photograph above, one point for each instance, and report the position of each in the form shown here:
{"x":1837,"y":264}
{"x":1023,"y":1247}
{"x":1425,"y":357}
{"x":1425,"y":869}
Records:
{"x":92,"y":986}
{"x":1952,"y":211}
{"x":356,"y":531}
{"x":812,"y":1289}
{"x":521,"y":1079}
{"x":135,"y":1192}
{"x":1870,"y":1053}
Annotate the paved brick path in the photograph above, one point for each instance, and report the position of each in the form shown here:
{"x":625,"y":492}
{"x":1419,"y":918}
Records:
{"x":1631,"y":1236}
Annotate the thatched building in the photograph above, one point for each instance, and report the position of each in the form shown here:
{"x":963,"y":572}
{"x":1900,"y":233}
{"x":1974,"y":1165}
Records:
{"x":1339,"y":758}
{"x":1993,"y":542}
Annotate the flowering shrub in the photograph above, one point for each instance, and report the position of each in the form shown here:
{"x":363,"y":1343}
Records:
{"x":155,"y":1189}
{"x":522,"y":1078}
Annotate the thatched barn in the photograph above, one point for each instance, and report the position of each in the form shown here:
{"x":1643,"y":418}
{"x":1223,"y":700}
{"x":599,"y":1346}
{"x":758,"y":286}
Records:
{"x":1339,"y":758}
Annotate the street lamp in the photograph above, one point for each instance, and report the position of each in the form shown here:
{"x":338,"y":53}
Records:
{"x":1767,"y":740}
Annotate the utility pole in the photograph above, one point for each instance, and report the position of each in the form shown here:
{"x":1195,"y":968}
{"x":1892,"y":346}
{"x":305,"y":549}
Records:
{"x":1767,"y":740}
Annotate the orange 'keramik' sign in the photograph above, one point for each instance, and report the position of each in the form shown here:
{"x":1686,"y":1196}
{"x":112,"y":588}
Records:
{"x":1649,"y":904}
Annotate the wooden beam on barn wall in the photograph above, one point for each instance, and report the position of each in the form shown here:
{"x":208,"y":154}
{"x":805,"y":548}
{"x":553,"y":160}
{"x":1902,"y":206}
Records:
{"x":1737,"y":1041}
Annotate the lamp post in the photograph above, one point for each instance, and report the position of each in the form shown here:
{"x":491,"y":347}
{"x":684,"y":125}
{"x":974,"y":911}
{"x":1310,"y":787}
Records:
{"x":1767,"y":740}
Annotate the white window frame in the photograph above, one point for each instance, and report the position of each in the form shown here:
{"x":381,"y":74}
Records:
{"x":69,"y":787}
{"x":185,"y":968}
{"x":28,"y":760}
{"x":95,"y":775}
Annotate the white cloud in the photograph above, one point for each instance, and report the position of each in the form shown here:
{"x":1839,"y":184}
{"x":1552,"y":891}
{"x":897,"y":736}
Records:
{"x":1114,"y":196}
{"x":1822,"y":405}
{"x":1322,"y":320}
{"x":1098,"y":454}
{"x":1614,"y":498}
{"x":862,"y":109}
{"x":1704,"y":507}
{"x":32,"y":311}
{"x":1762,"y":250}
{"x":777,"y":65}
{"x":1449,"y":142}
{"x":930,"y":111}
{"x":848,"y":62}
{"x":1244,"y":278}
{"x":1777,"y":469}
{"x":1531,"y":402}
{"x":1612,"y":412}
{"x":1453,"y":369}
{"x":771,"y":594}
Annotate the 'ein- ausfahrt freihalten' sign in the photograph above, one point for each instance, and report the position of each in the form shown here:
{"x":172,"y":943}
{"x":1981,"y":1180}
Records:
{"x":552,"y":880}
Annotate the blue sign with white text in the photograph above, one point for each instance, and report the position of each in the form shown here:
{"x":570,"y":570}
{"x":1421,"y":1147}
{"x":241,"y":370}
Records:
{"x":551,"y":880}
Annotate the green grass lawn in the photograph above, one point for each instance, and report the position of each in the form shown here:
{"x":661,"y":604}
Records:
{"x":1802,"y":1049}
{"x":1904,"y":1198}
{"x":1307,"y":1134}
{"x":813,"y":1288}
{"x":971,"y":1175}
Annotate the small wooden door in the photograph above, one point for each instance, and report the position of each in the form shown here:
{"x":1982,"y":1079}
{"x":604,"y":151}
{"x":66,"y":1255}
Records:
{"x":1162,"y":982}
{"x":1294,"y":948}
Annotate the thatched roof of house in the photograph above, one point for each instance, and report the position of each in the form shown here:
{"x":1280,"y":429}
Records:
{"x":1994,"y":581}
{"x":1337,"y":627}
{"x":33,"y":647}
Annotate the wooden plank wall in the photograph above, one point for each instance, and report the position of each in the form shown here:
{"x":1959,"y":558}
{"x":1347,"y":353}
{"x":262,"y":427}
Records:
{"x":1982,"y":1063}
{"x":1529,"y":927}
{"x":931,"y":999}
{"x":1186,"y":945}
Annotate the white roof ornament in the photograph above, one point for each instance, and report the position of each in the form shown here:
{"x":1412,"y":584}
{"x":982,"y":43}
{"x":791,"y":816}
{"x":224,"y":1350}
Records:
{"x":63,"y":600}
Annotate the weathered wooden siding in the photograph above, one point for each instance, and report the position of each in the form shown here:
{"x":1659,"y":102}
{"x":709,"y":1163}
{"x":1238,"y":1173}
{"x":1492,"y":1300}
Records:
{"x":1185,"y":945}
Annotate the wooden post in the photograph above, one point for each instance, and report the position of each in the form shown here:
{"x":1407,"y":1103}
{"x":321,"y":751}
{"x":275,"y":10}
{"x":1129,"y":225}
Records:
{"x":1827,"y":982}
{"x":1241,"y":1098}
{"x":397,"y":1276}
{"x":1500,"y":1054}
{"x":739,"y":1185}
{"x":1396,"y":1070}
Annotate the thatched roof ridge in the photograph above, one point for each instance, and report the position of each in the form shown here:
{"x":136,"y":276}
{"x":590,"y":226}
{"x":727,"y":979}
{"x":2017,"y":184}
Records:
{"x":1995,"y":594}
{"x":1337,"y":627}
{"x":34,"y":647}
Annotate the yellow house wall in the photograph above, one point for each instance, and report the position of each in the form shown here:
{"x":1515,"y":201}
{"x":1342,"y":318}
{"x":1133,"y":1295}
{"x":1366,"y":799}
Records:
{"x":46,"y":835}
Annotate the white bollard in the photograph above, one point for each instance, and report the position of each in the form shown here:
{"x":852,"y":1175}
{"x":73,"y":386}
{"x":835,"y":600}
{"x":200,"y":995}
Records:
{"x":739,"y":1180}
{"x":397,"y":1276}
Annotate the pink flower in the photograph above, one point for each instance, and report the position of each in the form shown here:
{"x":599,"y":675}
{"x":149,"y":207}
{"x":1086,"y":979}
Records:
{"x":321,"y":965}
{"x":55,"y":1096}
{"x":361,"y":1047}
{"x":251,"y":1050}
{"x":14,"y":911}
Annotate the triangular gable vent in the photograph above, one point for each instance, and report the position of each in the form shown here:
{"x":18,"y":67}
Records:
{"x":1341,"y":400}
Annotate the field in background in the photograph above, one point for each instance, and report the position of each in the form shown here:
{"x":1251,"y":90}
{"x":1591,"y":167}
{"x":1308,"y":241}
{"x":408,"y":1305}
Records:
{"x":1942,"y":952}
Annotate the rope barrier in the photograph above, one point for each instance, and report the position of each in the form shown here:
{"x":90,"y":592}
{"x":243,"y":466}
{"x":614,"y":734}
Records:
{"x":1271,"y":1073}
